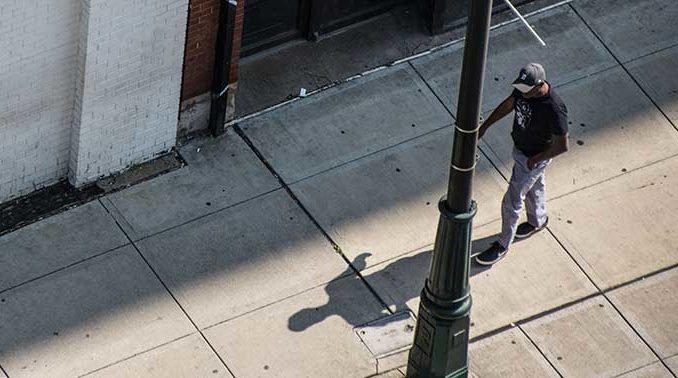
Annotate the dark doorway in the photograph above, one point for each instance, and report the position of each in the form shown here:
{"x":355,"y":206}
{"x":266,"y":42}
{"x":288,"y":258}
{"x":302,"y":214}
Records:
{"x":272,"y":22}
{"x":334,"y":14}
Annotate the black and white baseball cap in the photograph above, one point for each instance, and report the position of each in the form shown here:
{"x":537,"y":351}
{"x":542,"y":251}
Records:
{"x":530,"y":76}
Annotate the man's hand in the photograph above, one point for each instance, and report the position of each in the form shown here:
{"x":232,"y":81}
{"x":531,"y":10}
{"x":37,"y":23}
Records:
{"x":560,"y":145}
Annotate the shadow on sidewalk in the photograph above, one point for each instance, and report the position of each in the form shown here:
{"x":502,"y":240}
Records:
{"x":415,"y":266}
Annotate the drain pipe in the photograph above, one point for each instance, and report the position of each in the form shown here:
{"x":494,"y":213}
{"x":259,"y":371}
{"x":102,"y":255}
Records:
{"x":226,"y":58}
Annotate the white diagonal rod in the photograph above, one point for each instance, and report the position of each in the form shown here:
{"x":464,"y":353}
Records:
{"x":520,"y":16}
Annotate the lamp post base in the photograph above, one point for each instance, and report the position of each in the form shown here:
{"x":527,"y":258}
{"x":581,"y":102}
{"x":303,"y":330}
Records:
{"x":440,"y":347}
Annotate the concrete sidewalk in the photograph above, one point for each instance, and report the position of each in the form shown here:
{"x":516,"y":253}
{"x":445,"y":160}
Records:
{"x":296,"y":245}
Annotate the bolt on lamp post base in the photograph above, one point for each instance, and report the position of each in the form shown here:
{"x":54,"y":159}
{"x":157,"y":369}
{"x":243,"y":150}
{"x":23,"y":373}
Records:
{"x":440,"y":347}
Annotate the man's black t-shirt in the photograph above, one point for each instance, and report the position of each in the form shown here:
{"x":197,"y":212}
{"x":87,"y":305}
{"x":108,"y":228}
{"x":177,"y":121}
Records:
{"x":536,"y":121}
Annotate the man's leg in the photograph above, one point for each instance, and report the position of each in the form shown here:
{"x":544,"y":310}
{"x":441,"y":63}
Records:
{"x":511,"y":206}
{"x":535,"y":202}
{"x":522,"y":180}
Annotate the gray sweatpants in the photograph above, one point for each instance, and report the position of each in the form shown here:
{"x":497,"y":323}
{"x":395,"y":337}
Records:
{"x":528,"y":187}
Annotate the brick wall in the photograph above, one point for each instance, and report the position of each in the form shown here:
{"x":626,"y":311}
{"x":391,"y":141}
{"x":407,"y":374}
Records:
{"x":203,"y":25}
{"x":38,"y":48}
{"x":127,"y":100}
{"x":203,"y":20}
{"x":90,"y":87}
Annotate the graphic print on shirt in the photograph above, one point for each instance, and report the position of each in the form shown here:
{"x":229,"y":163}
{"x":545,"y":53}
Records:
{"x":523,"y":114}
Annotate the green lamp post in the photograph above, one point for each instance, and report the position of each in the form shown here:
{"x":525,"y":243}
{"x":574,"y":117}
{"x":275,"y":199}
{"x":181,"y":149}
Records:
{"x":440,"y":347}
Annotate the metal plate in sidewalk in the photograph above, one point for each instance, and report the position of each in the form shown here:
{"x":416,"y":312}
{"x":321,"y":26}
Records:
{"x":388,"y":335}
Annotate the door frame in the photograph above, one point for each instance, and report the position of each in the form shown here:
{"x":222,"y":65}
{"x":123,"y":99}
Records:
{"x":301,"y":30}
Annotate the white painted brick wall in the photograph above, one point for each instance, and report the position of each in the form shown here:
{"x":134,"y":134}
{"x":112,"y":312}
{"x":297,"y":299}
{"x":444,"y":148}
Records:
{"x":87,"y":87}
{"x":38,"y":49}
{"x":127,"y":98}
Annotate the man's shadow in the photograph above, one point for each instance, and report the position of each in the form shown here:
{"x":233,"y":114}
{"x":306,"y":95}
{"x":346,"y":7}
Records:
{"x":403,"y":278}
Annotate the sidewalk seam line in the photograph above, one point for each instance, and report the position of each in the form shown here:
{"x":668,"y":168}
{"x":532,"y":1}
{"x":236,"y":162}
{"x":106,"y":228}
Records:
{"x":381,"y":374}
{"x":279,"y":300}
{"x":648,"y":165}
{"x":433,"y":92}
{"x":202,"y":216}
{"x":628,"y":73}
{"x":487,"y":156}
{"x":640,"y":278}
{"x":587,"y":76}
{"x":157,"y":276}
{"x":534,"y":317}
{"x":635,"y":369}
{"x":113,"y":211}
{"x":569,"y":254}
{"x":135,"y":355}
{"x":496,"y":168}
{"x":637,"y":333}
{"x":370,"y":154}
{"x":303,"y":208}
{"x":44,"y":275}
{"x":632,"y":60}
{"x":527,"y":336}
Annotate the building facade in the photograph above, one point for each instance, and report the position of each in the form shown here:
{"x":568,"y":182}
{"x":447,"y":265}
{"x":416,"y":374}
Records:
{"x":87,"y":88}
{"x":91,"y":87}
{"x":211,"y":80}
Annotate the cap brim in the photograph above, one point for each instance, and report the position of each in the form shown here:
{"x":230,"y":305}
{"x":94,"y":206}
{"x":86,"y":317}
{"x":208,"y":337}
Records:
{"x":524,"y":88}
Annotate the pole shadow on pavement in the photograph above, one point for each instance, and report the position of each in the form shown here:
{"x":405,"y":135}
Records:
{"x":417,"y":265}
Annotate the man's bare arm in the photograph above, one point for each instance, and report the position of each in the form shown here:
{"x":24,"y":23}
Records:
{"x":500,"y":112}
{"x":561,"y":143}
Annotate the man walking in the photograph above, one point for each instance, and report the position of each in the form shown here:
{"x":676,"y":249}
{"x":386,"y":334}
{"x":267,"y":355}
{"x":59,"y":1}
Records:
{"x":540,"y":133}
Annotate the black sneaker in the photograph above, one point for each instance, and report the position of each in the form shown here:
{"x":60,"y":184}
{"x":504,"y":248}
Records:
{"x":525,"y":230}
{"x":493,"y":254}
